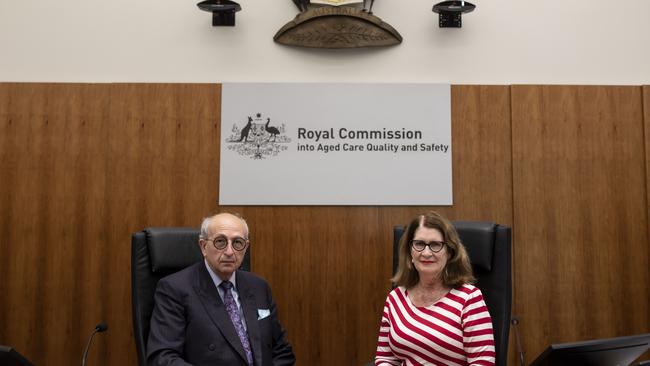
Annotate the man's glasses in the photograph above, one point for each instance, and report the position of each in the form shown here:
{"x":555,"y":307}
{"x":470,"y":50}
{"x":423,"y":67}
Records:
{"x":221,"y":242}
{"x":434,"y":246}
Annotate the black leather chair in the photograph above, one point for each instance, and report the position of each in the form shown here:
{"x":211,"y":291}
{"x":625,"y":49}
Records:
{"x":11,"y":357}
{"x":488,"y":246}
{"x":155,"y":253}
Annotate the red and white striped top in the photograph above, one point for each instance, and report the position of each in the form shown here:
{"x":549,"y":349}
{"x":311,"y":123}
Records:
{"x":455,"y":330}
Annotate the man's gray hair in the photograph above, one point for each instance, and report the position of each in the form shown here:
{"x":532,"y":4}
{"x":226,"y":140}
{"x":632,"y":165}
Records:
{"x":205,"y":224}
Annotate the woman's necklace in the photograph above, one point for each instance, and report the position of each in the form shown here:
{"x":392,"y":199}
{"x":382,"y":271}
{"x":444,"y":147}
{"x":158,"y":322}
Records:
{"x":422,"y":297}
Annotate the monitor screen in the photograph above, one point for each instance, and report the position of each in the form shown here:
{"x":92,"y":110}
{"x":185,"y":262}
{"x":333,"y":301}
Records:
{"x":621,"y":351}
{"x":9,"y":357}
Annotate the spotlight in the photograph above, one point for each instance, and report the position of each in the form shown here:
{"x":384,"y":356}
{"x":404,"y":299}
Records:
{"x":450,"y":13}
{"x":223,"y":11}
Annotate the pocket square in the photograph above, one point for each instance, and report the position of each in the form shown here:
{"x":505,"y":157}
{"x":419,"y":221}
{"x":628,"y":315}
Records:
{"x":263,"y":313}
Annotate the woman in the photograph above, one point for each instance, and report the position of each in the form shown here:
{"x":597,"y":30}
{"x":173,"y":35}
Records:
{"x":435,"y":316}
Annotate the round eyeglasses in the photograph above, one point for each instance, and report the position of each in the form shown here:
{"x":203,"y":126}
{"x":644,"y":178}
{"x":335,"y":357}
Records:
{"x":221,"y":242}
{"x":434,"y":246}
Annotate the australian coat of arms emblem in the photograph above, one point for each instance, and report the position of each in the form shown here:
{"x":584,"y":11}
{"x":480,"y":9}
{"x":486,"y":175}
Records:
{"x":337,"y":24}
{"x":259,"y":138}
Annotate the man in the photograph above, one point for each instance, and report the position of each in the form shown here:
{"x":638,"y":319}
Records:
{"x":213,"y":314}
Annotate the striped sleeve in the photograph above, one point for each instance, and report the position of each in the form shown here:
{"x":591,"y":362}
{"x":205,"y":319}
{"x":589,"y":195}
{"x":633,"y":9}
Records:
{"x":384,"y":355}
{"x":478,"y":339}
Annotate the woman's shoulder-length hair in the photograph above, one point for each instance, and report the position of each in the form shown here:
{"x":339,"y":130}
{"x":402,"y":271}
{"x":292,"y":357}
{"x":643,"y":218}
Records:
{"x":457,"y":271}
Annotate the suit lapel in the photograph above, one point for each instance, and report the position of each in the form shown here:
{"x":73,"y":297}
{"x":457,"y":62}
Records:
{"x":216,"y":310}
{"x":247,"y":299}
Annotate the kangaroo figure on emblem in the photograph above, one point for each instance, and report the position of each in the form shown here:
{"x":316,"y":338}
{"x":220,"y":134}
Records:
{"x":246,"y":130}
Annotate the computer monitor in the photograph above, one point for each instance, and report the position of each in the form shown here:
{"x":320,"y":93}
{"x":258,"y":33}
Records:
{"x":9,"y":357}
{"x":621,"y":351}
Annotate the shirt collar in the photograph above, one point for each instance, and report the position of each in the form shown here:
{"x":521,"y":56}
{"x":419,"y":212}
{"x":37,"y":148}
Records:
{"x":217,"y":280}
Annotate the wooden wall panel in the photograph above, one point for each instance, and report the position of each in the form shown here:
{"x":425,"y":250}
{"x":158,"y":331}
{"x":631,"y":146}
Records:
{"x":83,"y":166}
{"x":324,"y":265}
{"x":580,"y":214}
{"x":646,"y":129}
{"x":160,"y":167}
{"x":482,"y":154}
{"x":50,"y":203}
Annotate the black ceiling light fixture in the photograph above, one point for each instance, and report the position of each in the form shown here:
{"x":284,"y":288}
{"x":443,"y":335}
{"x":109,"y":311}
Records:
{"x":223,"y":11}
{"x":450,"y":13}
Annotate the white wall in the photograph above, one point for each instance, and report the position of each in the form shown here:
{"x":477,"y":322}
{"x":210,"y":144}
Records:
{"x":501,"y":42}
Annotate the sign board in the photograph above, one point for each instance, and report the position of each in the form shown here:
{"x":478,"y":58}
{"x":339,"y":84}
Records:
{"x":335,"y":144}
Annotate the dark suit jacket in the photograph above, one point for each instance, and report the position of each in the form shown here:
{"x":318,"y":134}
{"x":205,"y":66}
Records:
{"x":190,"y":324}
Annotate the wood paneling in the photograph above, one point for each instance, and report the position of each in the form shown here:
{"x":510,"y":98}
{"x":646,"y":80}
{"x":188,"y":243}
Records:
{"x":328,"y":272}
{"x":482,"y":154}
{"x":646,"y":129}
{"x":84,"y":165}
{"x":580,"y":214}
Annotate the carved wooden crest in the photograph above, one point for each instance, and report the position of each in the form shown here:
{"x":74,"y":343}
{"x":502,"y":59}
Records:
{"x":337,"y":27}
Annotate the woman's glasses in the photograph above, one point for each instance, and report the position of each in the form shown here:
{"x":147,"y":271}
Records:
{"x":434,"y":246}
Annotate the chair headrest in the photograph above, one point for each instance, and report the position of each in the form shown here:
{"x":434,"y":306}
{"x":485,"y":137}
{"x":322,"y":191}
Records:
{"x":478,"y":238}
{"x":172,"y":249}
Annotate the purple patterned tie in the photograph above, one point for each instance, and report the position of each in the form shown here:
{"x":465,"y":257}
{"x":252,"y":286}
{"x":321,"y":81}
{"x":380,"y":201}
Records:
{"x":235,"y":317}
